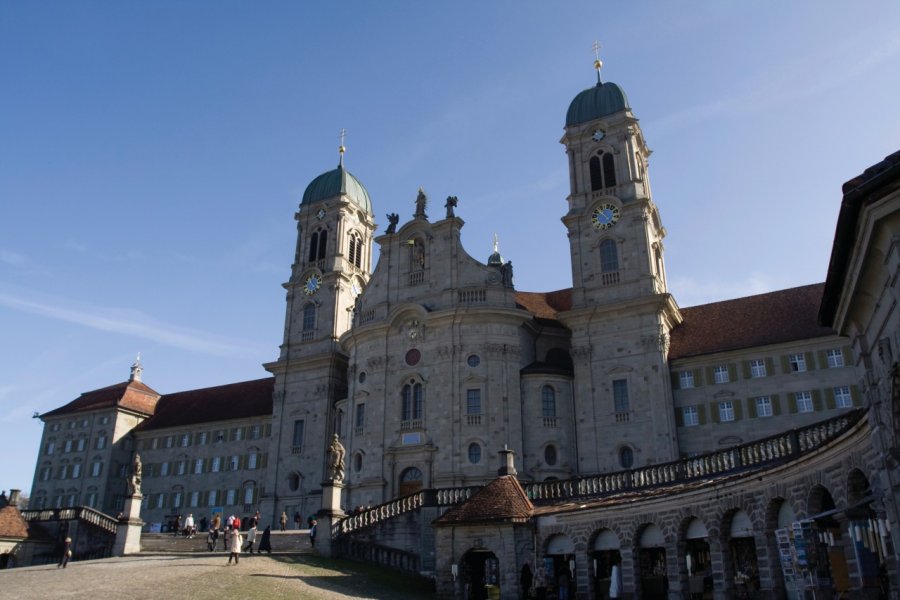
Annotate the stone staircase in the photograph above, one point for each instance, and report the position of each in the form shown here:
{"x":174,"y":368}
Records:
{"x":287,"y":542}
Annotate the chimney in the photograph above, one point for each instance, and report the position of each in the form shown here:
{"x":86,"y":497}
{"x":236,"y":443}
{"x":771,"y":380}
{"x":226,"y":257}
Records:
{"x":14,"y":497}
{"x":508,"y":462}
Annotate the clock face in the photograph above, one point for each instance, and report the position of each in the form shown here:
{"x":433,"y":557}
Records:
{"x":320,"y":214}
{"x":598,"y":135}
{"x":605,"y":216}
{"x":312,"y":285}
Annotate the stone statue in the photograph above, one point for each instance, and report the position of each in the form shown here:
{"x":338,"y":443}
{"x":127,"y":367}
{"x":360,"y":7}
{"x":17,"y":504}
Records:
{"x":134,"y":483}
{"x":506,"y":272}
{"x":336,"y":460}
{"x":393,"y":219}
{"x":451,"y":204}
{"x":421,"y":202}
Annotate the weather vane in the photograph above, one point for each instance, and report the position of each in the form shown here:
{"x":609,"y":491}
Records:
{"x":598,"y":64}
{"x":341,"y":149}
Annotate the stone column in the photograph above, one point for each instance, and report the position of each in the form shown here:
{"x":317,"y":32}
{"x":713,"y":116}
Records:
{"x":329,"y":514}
{"x":128,"y":533}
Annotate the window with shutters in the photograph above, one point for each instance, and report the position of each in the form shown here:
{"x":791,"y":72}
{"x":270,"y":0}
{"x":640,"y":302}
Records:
{"x":195,"y":498}
{"x":252,"y":460}
{"x":797,"y":362}
{"x":234,"y":463}
{"x":685,"y":380}
{"x":603,"y":170}
{"x":726,"y":411}
{"x":355,"y":254}
{"x":804,"y":402}
{"x":757,"y":368}
{"x":842,"y":398}
{"x":764,"y":406}
{"x":213,"y":498}
{"x":215,"y":464}
{"x":185,"y":440}
{"x":198,"y":466}
{"x":230,"y":497}
{"x":834,"y":358}
{"x":720,"y":374}
{"x":690,"y":416}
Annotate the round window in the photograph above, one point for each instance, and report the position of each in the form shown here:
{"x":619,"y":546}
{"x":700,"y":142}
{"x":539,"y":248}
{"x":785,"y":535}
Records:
{"x":362,"y":377}
{"x":474,"y":454}
{"x":473,"y":360}
{"x":413,"y":357}
{"x":550,"y":455}
{"x":626,"y":457}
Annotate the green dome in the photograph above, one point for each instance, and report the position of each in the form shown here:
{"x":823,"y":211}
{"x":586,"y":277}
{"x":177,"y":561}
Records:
{"x":599,"y":101}
{"x":334,"y":183}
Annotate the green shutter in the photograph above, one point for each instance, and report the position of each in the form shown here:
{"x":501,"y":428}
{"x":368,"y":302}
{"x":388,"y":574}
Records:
{"x":770,"y":367}
{"x":675,"y":381}
{"x":829,"y":399}
{"x":701,"y":414}
{"x":263,"y":460}
{"x":855,"y":395}
{"x":785,"y":364}
{"x":714,"y":411}
{"x":698,"y":377}
{"x":738,"y":413}
{"x":268,"y":430}
{"x":848,"y":356}
{"x":751,"y":408}
{"x":679,"y":416}
{"x":776,"y":404}
{"x":710,"y":376}
{"x":810,"y":361}
{"x":817,"y":400}
{"x":732,"y":372}
{"x":822,"y":359}
{"x":746,"y":365}
{"x":792,"y":403}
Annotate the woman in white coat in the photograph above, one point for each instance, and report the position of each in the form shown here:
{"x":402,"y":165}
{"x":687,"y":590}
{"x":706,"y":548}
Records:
{"x":235,"y":546}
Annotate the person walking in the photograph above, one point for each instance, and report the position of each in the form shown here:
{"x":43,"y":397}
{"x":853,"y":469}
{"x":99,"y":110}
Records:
{"x":312,"y":532}
{"x":235,"y":547}
{"x":265,"y":543}
{"x":297,"y":519}
{"x":66,"y":553}
{"x":251,"y":537}
{"x":189,"y":526}
{"x":283,"y":520}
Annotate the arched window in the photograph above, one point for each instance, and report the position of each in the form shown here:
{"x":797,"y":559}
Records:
{"x":309,"y":317}
{"x":410,"y":481}
{"x":318,"y":243}
{"x":474,"y":453}
{"x":294,"y":481}
{"x":548,"y":401}
{"x":603,"y":171}
{"x":357,"y":462}
{"x":609,"y":256}
{"x":626,"y":457}
{"x":355,"y":253}
{"x":412,"y":401}
{"x":550,"y":455}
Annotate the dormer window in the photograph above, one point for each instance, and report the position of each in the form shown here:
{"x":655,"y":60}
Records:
{"x":603,"y":171}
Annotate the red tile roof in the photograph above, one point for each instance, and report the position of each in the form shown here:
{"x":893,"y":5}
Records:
{"x":233,"y":401}
{"x":131,"y":395}
{"x":12,"y":525}
{"x":503,"y":499}
{"x":545,"y":305}
{"x":782,"y":316}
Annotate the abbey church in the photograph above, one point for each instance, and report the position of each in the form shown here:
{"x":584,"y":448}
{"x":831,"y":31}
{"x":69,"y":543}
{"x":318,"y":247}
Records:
{"x":430,"y":362}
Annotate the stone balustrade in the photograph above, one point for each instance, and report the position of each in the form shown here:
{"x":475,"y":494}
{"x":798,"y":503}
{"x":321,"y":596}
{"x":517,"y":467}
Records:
{"x":70,"y":513}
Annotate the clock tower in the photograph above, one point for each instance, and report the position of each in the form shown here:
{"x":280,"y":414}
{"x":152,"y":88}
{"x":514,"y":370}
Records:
{"x":332,"y":264}
{"x":621,"y":310}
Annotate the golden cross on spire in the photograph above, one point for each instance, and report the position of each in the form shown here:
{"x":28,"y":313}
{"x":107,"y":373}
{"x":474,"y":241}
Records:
{"x":342,"y":149}
{"x":598,"y":64}
{"x":496,"y":243}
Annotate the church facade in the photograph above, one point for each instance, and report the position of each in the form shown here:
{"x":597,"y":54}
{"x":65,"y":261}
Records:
{"x":429,"y":362}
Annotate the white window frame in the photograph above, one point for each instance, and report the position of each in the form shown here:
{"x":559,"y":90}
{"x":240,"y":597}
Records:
{"x":198,"y":466}
{"x":835,"y":358}
{"x":690,"y":416}
{"x":720,"y":374}
{"x":216,"y":464}
{"x":685,"y":380}
{"x":76,"y":470}
{"x":804,"y":402}
{"x":726,"y":411}
{"x":252,"y":460}
{"x":230,"y":497}
{"x":757,"y":368}
{"x":195,"y":498}
{"x":797,"y":362}
{"x":842,"y":397}
{"x":764,"y":407}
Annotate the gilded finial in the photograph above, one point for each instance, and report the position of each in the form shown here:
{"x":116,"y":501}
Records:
{"x":496,"y":243}
{"x":598,"y":64}
{"x":341,"y":148}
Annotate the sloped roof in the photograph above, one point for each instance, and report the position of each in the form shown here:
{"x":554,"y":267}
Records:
{"x":131,"y":395}
{"x":12,"y":525}
{"x":761,"y":320}
{"x":545,"y":305}
{"x":232,"y":401}
{"x":503,"y":499}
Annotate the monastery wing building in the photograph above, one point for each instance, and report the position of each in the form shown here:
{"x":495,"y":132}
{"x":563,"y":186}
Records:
{"x":429,"y":362}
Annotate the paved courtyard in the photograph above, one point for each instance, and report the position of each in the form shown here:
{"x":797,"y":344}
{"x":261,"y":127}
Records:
{"x":209,"y":577}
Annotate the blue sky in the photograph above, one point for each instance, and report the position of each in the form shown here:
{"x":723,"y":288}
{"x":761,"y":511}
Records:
{"x":152,"y":155}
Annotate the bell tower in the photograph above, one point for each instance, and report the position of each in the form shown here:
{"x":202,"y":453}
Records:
{"x":614,"y":227}
{"x":621,"y":310}
{"x":332,"y":265}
